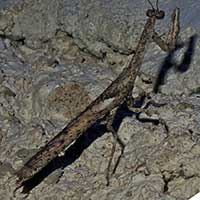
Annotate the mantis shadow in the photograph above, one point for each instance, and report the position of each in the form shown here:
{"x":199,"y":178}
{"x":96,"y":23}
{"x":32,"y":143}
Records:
{"x":169,"y":63}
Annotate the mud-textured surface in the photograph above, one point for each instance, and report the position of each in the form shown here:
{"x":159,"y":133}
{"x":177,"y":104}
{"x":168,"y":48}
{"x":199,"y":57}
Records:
{"x":55,"y":58}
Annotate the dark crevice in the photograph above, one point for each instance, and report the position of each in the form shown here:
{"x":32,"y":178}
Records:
{"x":146,"y":81}
{"x":16,"y":39}
{"x":165,"y":189}
{"x":166,"y":182}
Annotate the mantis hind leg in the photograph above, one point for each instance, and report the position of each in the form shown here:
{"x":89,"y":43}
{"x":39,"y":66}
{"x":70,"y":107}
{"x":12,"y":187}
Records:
{"x":117,"y":139}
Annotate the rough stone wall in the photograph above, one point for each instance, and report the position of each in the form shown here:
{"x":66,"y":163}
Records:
{"x":55,"y":58}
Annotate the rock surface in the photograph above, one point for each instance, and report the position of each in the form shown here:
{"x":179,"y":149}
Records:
{"x":55,"y":58}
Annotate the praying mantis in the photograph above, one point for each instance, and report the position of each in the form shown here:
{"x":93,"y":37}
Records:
{"x":104,"y":106}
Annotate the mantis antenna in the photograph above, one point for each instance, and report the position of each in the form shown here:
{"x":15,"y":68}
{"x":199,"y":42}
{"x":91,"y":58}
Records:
{"x":157,"y":5}
{"x":151,"y":4}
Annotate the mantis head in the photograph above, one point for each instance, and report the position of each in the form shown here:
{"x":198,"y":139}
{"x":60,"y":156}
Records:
{"x":159,"y":14}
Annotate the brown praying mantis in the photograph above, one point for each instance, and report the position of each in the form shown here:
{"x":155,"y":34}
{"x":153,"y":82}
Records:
{"x":105,"y":105}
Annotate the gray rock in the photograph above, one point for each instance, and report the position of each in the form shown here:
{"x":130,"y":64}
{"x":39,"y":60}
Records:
{"x":56,"y":57}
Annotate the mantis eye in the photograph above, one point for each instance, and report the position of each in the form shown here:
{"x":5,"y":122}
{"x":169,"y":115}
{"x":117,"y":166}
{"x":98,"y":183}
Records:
{"x":150,"y":13}
{"x":160,"y":14}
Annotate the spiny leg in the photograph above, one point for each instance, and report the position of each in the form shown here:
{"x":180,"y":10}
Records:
{"x":171,"y":40}
{"x":174,"y":28}
{"x":110,"y":128}
{"x":170,"y":45}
